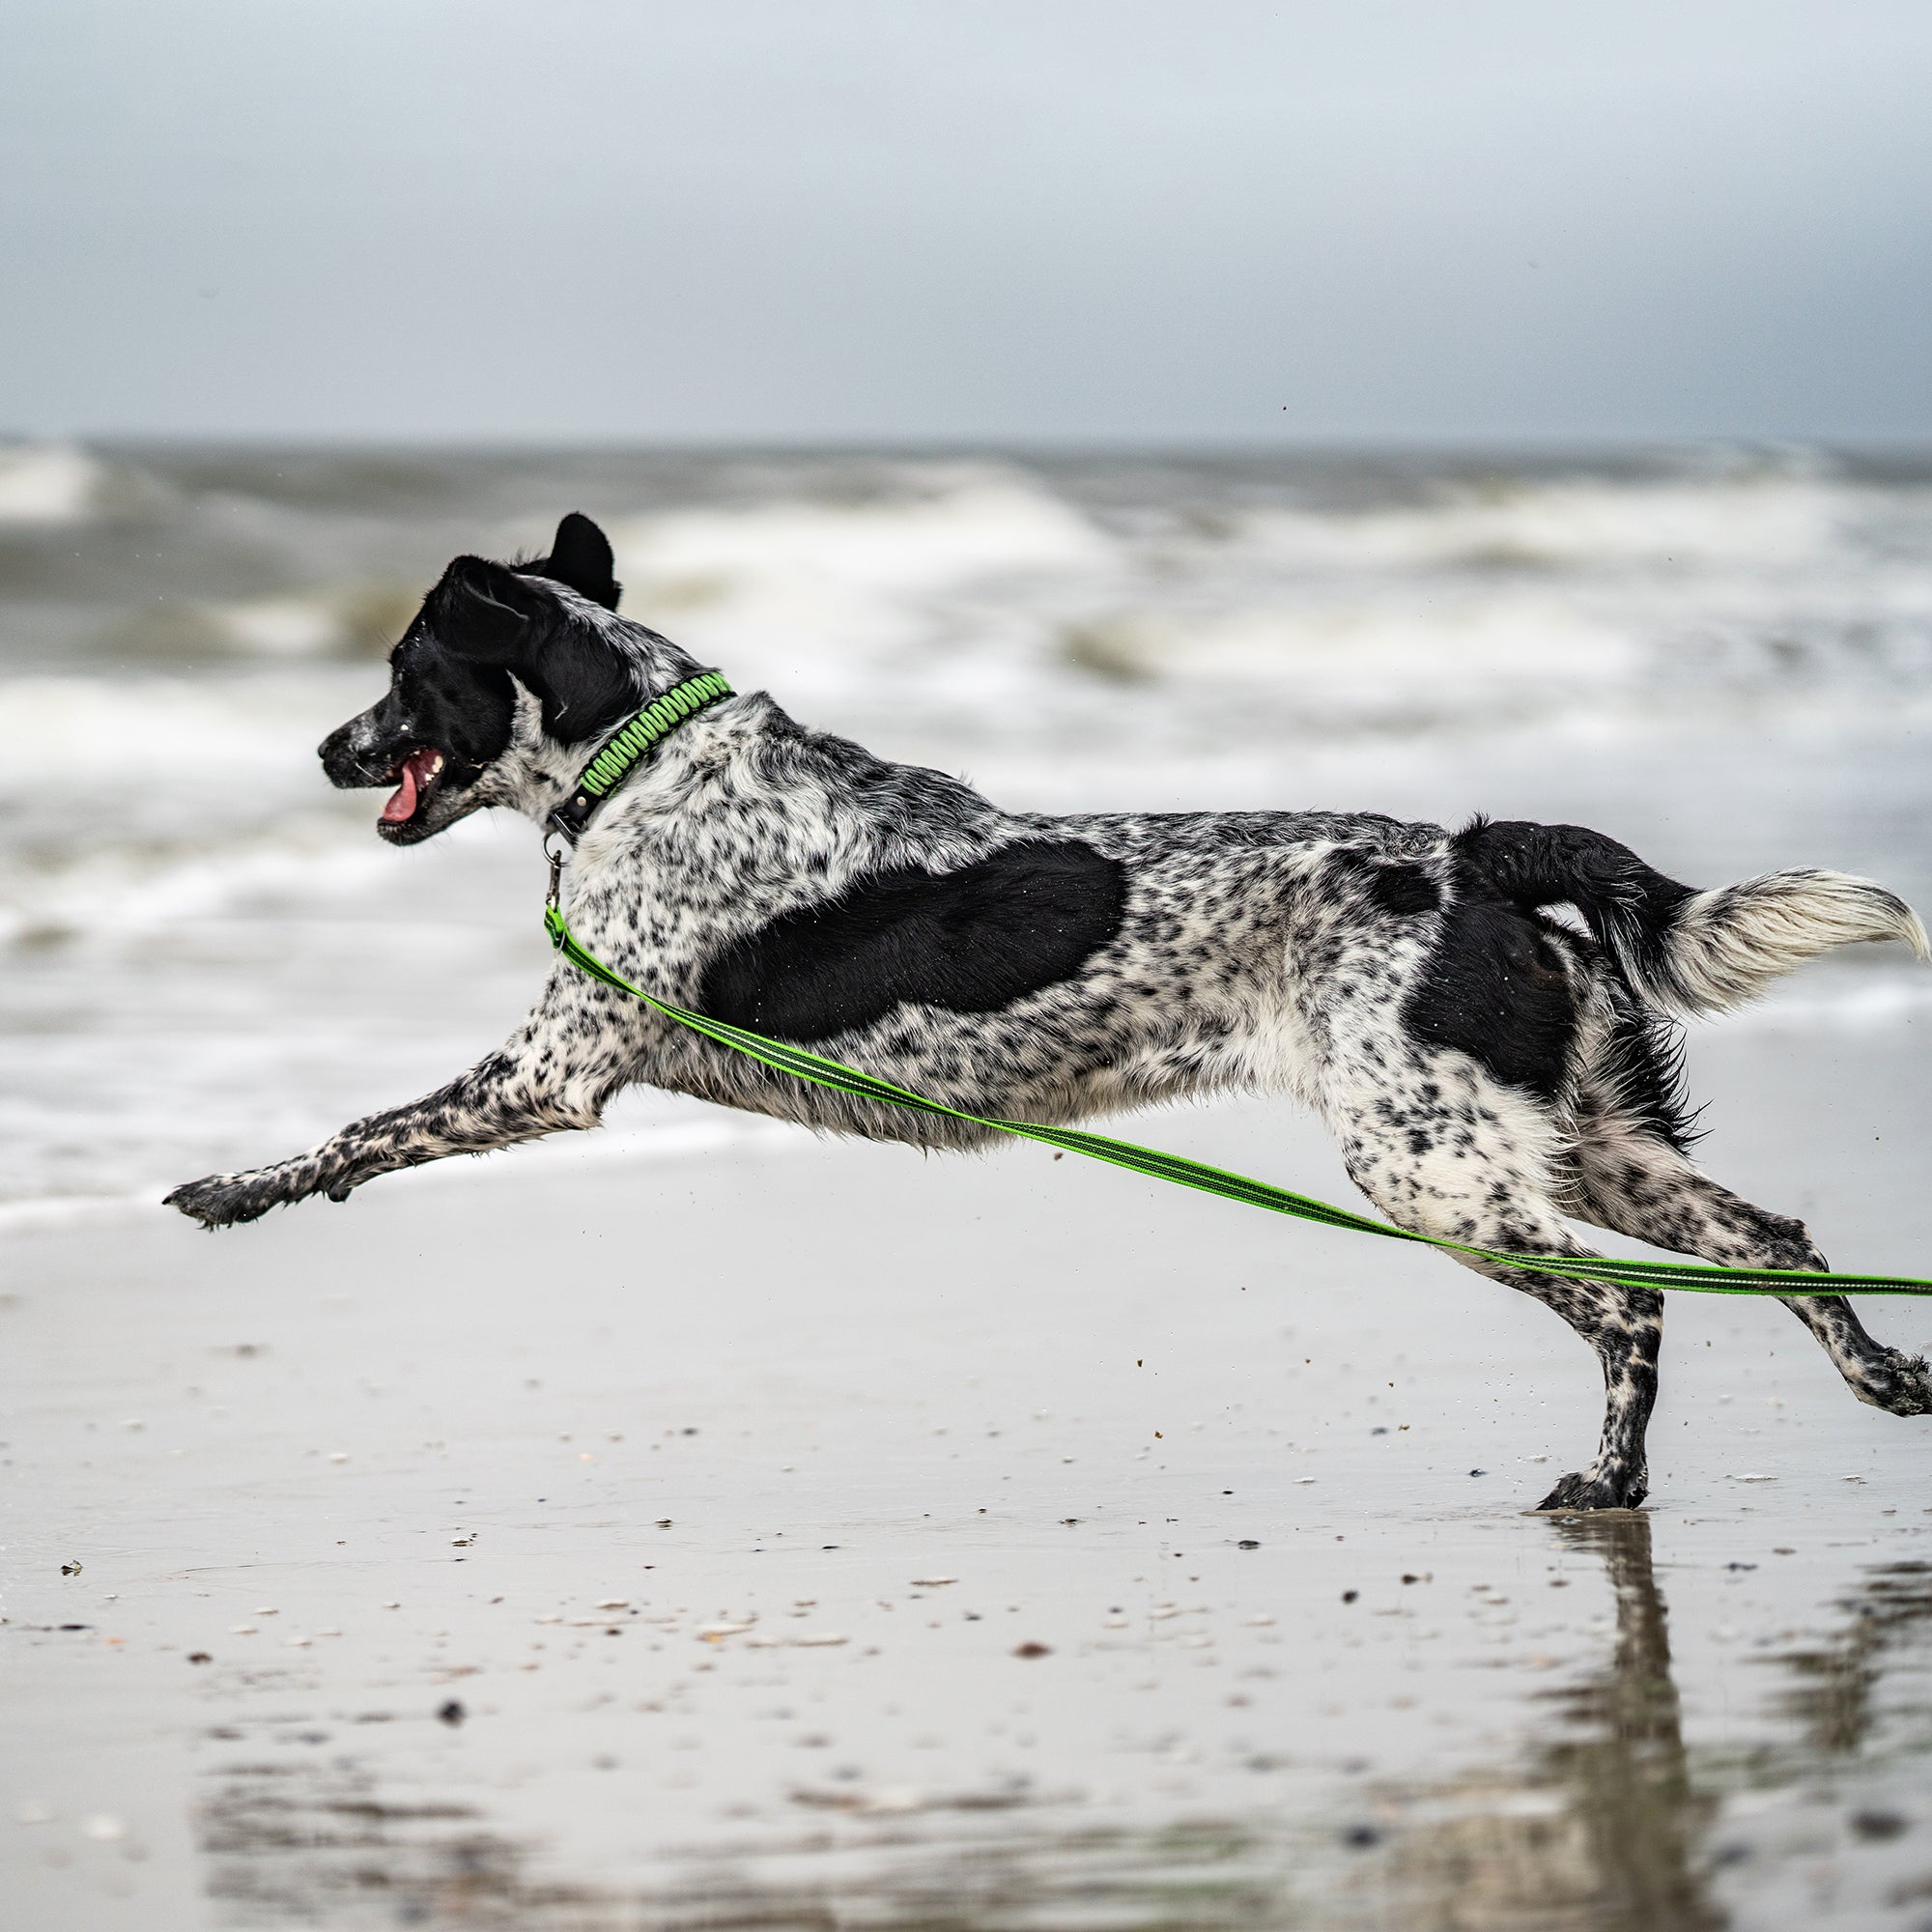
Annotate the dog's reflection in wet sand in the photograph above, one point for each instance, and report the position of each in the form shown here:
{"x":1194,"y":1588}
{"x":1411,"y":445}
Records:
{"x":1609,"y":1820}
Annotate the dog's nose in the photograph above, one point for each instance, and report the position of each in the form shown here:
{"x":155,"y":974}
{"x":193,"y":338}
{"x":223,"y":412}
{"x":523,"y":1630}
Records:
{"x":342,"y":759}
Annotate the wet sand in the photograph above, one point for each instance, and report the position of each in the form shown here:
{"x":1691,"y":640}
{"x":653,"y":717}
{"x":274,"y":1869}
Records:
{"x":734,"y":1530}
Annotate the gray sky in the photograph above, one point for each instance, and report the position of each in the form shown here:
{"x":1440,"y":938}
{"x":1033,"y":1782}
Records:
{"x":837,"y":219}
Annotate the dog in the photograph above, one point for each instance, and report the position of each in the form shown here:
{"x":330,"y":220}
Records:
{"x":1488,"y":1066}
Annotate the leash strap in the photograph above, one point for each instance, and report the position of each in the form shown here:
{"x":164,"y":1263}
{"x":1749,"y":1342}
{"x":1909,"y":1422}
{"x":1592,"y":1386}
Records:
{"x":620,"y":753}
{"x":815,"y":1069}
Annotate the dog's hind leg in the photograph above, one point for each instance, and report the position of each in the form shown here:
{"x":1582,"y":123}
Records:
{"x":1632,"y":1179}
{"x":1445,"y":1150}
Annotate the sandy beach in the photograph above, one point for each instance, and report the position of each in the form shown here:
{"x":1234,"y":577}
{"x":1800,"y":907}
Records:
{"x":715,"y":1528}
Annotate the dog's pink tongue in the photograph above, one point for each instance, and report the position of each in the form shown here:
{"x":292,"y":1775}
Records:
{"x":404,"y":802}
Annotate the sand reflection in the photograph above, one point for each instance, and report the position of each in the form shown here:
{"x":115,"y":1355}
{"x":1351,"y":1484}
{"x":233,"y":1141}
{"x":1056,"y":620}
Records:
{"x":1606,"y":1819}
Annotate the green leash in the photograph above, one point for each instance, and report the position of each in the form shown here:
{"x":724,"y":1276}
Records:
{"x":820,"y":1071}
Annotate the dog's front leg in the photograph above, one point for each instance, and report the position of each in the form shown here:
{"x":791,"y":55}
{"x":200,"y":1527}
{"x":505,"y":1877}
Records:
{"x":556,"y":1071}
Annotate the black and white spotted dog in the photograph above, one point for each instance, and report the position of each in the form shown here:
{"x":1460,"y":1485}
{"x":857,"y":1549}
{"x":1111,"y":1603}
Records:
{"x":1486,"y":1068}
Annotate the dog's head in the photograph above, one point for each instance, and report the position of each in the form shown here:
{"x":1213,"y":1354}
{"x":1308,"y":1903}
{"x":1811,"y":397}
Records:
{"x":502,"y":660}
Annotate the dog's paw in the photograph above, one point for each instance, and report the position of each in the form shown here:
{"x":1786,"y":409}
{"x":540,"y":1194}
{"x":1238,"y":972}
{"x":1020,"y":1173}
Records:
{"x":222,"y":1200}
{"x":1903,"y":1386}
{"x":1582,"y":1490}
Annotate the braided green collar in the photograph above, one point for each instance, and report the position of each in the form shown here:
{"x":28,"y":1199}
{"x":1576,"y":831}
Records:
{"x":627,"y":747}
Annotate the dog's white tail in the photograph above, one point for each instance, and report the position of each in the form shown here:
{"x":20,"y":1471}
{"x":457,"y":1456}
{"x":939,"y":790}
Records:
{"x":1718,"y":948}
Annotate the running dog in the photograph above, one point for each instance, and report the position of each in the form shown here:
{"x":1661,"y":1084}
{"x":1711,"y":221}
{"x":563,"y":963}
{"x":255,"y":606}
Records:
{"x":1488,"y":1069}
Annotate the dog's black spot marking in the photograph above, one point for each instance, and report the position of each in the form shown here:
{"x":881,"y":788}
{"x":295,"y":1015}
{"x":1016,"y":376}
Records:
{"x":1405,"y":890}
{"x":1392,"y":887}
{"x":1495,"y":988}
{"x":971,"y":941}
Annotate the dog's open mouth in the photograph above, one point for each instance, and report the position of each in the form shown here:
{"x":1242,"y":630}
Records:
{"x":419,"y":773}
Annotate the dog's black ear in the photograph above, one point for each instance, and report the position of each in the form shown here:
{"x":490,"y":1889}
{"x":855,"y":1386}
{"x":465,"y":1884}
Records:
{"x":580,"y":556}
{"x":485,"y":612}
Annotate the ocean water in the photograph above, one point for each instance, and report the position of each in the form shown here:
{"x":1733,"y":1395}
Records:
{"x":1723,"y":657}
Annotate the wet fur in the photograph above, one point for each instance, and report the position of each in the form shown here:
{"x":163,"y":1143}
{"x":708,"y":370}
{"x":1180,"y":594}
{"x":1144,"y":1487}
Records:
{"x":1491,"y":1071}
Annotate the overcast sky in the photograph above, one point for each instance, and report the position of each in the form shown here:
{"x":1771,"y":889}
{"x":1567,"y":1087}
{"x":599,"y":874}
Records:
{"x":780,"y":220}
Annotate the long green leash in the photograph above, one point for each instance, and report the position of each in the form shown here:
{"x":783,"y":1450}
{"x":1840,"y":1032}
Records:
{"x":627,"y":748}
{"x":820,"y":1071}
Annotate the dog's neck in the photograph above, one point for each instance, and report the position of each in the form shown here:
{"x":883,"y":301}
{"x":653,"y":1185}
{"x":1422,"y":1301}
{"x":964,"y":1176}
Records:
{"x":534,"y":774}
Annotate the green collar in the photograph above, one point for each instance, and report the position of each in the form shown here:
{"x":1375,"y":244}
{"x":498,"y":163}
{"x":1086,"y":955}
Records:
{"x":627,"y":747}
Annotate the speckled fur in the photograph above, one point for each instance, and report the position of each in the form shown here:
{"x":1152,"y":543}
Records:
{"x":1256,"y":955}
